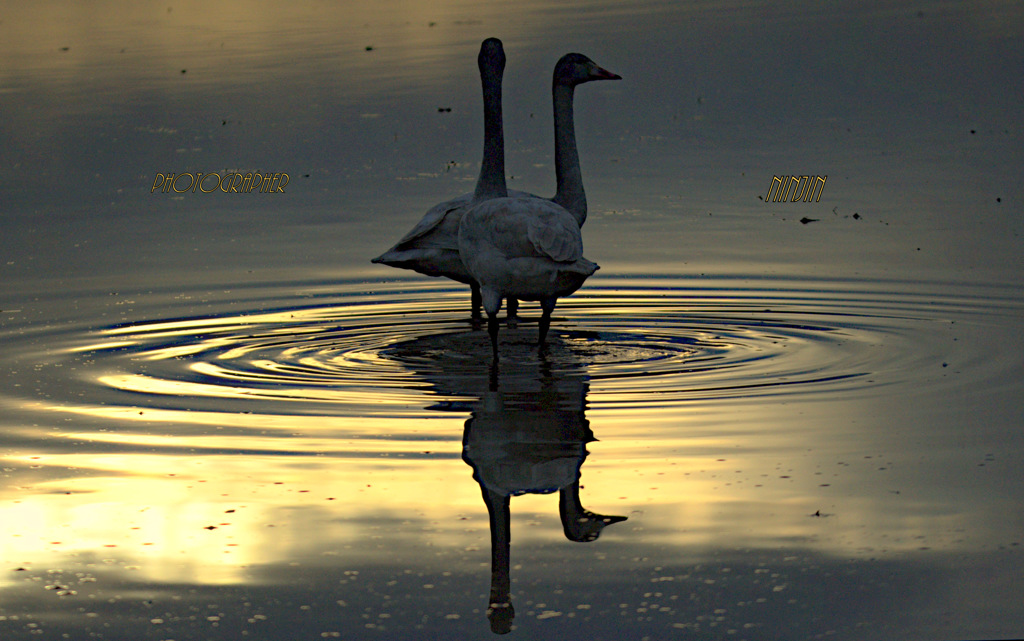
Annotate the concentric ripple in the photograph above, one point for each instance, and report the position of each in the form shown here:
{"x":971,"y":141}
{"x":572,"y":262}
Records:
{"x":408,"y":347}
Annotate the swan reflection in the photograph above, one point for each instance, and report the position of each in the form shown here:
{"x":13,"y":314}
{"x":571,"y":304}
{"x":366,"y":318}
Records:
{"x":527,"y":434}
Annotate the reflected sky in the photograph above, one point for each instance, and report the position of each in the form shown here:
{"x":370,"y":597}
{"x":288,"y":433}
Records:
{"x":218,"y":416}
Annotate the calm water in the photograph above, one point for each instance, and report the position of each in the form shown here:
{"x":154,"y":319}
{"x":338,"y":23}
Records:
{"x":220,"y":421}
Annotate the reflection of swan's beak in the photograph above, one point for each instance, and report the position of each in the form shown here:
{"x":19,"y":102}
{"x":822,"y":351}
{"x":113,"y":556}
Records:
{"x":589,"y":526}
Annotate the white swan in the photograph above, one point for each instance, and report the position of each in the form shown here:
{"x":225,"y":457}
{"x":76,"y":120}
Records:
{"x":523,"y":248}
{"x":529,"y":248}
{"x":431,"y":248}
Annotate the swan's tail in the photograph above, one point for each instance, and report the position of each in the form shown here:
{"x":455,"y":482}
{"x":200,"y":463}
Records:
{"x":570,"y":276}
{"x":580,"y":266}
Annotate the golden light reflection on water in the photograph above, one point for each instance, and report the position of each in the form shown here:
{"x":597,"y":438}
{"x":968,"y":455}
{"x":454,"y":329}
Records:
{"x":149,"y":385}
{"x":368,"y":425}
{"x":354,"y":444}
{"x":211,"y":519}
{"x":206,"y":518}
{"x":328,"y":435}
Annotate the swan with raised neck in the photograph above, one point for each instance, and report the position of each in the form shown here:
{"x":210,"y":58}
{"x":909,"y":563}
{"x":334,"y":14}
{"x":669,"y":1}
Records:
{"x":571,"y":70}
{"x":431,"y":247}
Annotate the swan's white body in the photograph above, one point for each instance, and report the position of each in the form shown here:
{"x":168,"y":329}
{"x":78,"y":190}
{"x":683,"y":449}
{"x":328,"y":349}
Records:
{"x":525,"y":249}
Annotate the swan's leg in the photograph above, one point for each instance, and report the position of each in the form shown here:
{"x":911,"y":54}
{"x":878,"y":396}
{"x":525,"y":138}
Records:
{"x":492,"y":329}
{"x":547,"y":306}
{"x":511,"y":309}
{"x":474,"y":300}
{"x":492,"y":303}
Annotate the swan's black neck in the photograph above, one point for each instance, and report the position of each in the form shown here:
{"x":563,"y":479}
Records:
{"x":500,"y":610}
{"x":567,"y":159}
{"x":491,"y":183}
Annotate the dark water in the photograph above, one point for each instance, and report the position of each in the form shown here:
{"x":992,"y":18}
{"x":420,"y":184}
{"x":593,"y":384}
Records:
{"x":221,"y":421}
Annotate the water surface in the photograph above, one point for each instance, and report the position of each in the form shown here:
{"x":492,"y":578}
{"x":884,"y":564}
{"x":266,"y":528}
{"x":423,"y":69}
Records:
{"x":221,"y":421}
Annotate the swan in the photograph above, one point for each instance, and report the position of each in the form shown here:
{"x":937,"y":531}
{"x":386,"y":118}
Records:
{"x":571,"y":70}
{"x":522,"y":248}
{"x":431,"y":248}
{"x":529,"y":248}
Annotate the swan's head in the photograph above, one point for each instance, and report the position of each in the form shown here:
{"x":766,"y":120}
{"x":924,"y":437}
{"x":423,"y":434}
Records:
{"x":588,"y":527}
{"x":575,"y":68}
{"x":492,"y":57}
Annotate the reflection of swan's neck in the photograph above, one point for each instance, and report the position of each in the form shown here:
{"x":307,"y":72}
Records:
{"x":567,"y":159}
{"x":491,"y":183}
{"x":499,"y":609}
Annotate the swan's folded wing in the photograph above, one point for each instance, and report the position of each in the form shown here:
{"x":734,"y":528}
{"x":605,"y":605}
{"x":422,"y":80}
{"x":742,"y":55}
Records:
{"x":440,"y":216}
{"x":435,"y":216}
{"x":556,"y":237}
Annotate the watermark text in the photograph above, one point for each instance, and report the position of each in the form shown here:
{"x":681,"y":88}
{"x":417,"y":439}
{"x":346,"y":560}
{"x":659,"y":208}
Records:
{"x":230,"y":183}
{"x":801,"y":188}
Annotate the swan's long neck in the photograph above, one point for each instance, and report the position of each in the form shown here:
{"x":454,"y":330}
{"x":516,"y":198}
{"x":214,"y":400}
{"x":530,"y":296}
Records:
{"x":491,"y":183}
{"x":567,"y":159}
{"x":501,"y":538}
